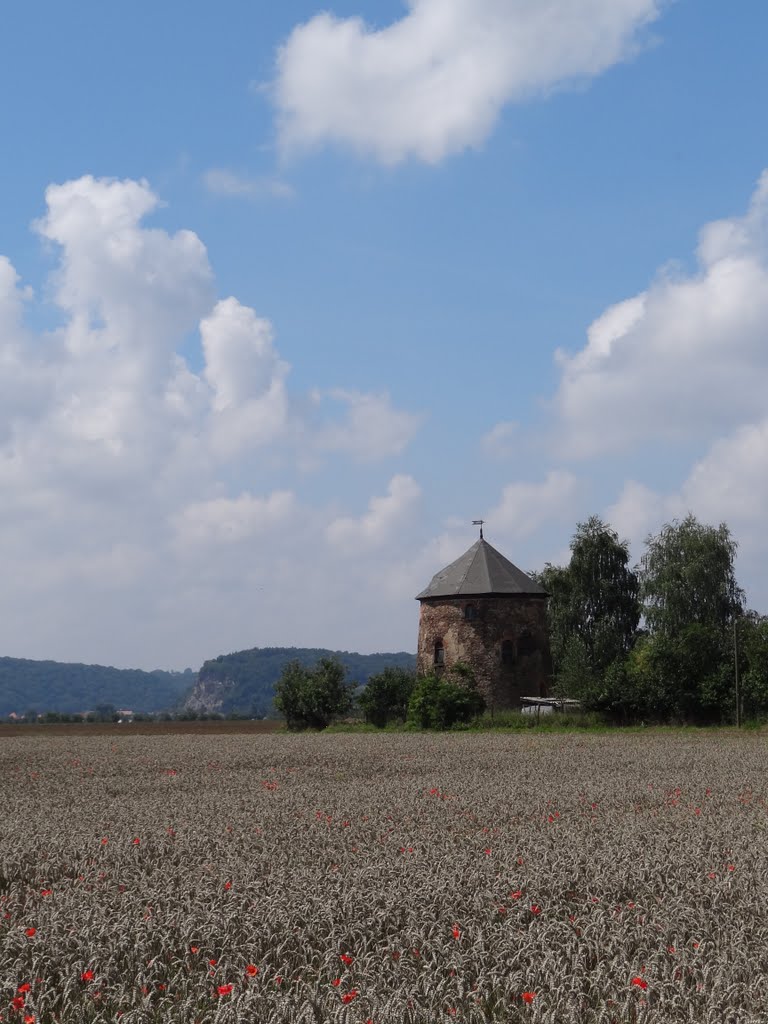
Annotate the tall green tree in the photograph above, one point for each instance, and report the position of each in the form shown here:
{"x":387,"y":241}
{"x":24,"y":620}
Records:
{"x":594,"y":609}
{"x":310,"y":698}
{"x":688,"y":577}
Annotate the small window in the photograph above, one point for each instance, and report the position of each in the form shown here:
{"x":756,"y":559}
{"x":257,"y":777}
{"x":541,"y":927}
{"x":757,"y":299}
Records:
{"x":439,"y":653}
{"x":507,"y":653}
{"x":526,"y":644}
{"x":470,"y":612}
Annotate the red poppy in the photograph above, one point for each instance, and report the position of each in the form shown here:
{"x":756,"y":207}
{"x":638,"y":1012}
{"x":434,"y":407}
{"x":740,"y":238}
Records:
{"x":251,"y":970}
{"x":349,"y":996}
{"x":671,"y":949}
{"x":278,"y":979}
{"x":528,"y":997}
{"x":213,"y":962}
{"x":227,"y":886}
{"x":104,"y":841}
{"x":535,"y":908}
{"x":640,"y":983}
{"x":26,"y":987}
{"x":135,"y":841}
{"x":46,"y":892}
{"x":194,"y":949}
{"x":487,"y":851}
{"x":456,"y":931}
{"x":224,"y":990}
{"x":18,"y":1002}
{"x":29,"y":1018}
{"x":336,"y":982}
{"x":348,"y":960}
{"x":516,"y":894}
{"x":86,"y":976}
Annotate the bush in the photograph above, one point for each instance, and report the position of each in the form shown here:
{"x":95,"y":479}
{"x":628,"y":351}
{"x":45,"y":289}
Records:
{"x":440,"y":702}
{"x":310,"y":698}
{"x":386,"y":696}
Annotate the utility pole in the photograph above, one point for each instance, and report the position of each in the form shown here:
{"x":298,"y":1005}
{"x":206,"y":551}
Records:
{"x":736,"y":674}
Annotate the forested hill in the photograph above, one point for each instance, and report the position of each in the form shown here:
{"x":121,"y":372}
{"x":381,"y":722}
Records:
{"x":244,"y":682}
{"x":69,"y":688}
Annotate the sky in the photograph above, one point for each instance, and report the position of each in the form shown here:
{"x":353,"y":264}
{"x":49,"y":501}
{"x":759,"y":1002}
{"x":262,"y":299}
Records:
{"x":290,"y":294}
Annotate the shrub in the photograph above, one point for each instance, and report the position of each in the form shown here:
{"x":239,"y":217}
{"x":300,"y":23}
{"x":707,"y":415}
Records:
{"x":442,"y":701}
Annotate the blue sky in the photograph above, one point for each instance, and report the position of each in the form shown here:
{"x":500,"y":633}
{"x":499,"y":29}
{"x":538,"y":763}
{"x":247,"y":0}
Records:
{"x":288,"y":297}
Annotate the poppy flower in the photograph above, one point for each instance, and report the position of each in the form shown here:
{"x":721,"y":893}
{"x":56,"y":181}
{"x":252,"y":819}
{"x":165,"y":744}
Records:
{"x":336,"y":982}
{"x":224,"y":990}
{"x":104,"y":841}
{"x":29,"y":1018}
{"x":349,"y":996}
{"x":456,"y":931}
{"x":18,"y":1002}
{"x":227,"y":886}
{"x":213,"y":962}
{"x":348,"y":960}
{"x":136,"y":841}
{"x":640,"y":983}
{"x":251,"y":970}
{"x":46,"y":892}
{"x":516,"y":894}
{"x":86,"y":976}
{"x":194,"y":949}
{"x":26,"y":987}
{"x":535,"y":908}
{"x":528,"y":997}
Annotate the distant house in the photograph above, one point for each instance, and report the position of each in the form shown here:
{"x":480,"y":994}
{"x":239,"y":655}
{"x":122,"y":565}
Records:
{"x":484,"y":612}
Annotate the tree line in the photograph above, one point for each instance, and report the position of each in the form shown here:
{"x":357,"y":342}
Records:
{"x":669,"y":639}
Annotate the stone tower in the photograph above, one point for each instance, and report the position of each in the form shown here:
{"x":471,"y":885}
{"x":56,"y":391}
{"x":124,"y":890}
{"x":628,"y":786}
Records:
{"x":484,"y":612}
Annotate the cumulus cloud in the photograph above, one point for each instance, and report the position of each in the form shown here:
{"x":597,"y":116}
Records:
{"x":684,"y":360}
{"x":384,"y":516}
{"x":136,"y":438}
{"x":434,"y":82}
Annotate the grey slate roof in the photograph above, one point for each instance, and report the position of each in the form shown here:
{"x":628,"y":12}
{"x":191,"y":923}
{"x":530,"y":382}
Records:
{"x":480,"y":571}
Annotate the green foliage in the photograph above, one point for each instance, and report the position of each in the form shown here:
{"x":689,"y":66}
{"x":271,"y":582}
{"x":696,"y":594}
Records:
{"x":688,"y":577}
{"x":249,"y":677}
{"x":386,"y":696}
{"x":445,"y":700}
{"x":310,"y":698}
{"x":593,"y":609}
{"x":752,"y":645}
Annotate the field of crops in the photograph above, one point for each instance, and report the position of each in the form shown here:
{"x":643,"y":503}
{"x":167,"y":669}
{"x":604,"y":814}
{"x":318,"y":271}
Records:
{"x":381,"y":879}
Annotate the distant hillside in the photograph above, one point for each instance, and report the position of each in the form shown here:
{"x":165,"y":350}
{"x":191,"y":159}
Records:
{"x":56,"y":686}
{"x":245,"y":681}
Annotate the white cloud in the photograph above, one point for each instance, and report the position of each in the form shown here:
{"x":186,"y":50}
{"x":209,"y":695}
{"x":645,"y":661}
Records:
{"x":371,"y":428}
{"x":502,"y":440}
{"x":222,"y":182}
{"x":138,"y":525}
{"x":686,"y":359}
{"x":524,"y":506}
{"x":380,"y":523}
{"x":434,"y":82}
{"x":231,"y":520}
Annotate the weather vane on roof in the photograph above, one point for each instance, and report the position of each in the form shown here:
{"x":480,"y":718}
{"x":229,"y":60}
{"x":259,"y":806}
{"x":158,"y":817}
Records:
{"x":479,"y":522}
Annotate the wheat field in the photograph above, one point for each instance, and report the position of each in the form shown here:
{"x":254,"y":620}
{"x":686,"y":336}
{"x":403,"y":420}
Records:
{"x":381,"y":879}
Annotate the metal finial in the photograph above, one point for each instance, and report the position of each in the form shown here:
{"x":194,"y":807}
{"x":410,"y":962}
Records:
{"x":479,"y":522}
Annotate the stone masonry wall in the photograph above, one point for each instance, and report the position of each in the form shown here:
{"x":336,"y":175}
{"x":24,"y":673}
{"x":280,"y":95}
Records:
{"x":506,"y":644}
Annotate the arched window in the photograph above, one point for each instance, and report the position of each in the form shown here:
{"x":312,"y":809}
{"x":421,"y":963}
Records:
{"x":526,"y":644}
{"x":470,"y":612}
{"x":507,"y":653}
{"x":439,"y":653}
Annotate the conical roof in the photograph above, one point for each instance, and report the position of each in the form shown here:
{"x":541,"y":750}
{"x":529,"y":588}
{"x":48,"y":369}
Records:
{"x":481,"y":571}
